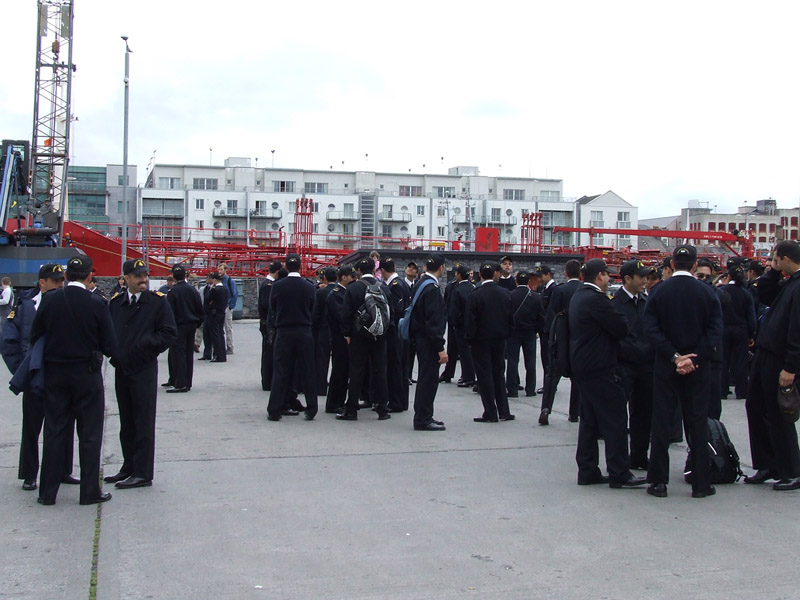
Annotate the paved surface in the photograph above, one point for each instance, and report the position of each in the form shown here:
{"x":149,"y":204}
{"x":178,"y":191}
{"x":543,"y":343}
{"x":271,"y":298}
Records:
{"x":243,"y":508}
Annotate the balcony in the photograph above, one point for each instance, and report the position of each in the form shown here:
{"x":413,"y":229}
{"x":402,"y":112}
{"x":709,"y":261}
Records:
{"x":393,"y":217}
{"x":163,"y":211}
{"x":502,"y":220}
{"x":340,"y":215}
{"x":266,"y":213}
{"x":228,"y":234}
{"x":484,"y":220}
{"x":230,"y":212}
{"x":86,"y":187}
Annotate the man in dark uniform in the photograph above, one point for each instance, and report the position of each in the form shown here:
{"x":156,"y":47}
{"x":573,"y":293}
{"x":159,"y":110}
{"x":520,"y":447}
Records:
{"x":399,"y":299}
{"x":340,"y":365}
{"x":412,"y":275}
{"x":78,"y":332}
{"x":367,"y":354}
{"x":636,"y":357}
{"x":559,"y":301}
{"x":452,"y":345}
{"x":705,"y":272}
{"x":187,"y":309}
{"x":290,"y":304}
{"x":144,"y":328}
{"x":428,"y":321}
{"x":527,"y":320}
{"x":506,"y":274}
{"x":322,"y":334}
{"x":14,"y":346}
{"x":488,"y":323}
{"x":773,"y":439}
{"x":462,"y":289}
{"x":208,"y":343}
{"x":595,"y":328}
{"x":265,"y":325}
{"x":214,"y":308}
{"x":683,"y":320}
{"x":546,"y":287}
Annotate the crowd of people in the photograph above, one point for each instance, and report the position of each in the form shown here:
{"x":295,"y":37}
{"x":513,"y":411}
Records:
{"x":646,"y":363}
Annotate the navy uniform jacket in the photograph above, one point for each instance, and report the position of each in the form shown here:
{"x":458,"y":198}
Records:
{"x":76,"y":323}
{"x":399,"y":298}
{"x":186,"y":305}
{"x":335,"y":300}
{"x":684,"y":315}
{"x":526,"y":310}
{"x":353,"y":299}
{"x":488,"y":314}
{"x":507,"y":283}
{"x":429,"y":317}
{"x":779,"y":332}
{"x":635,"y":348}
{"x":143,"y":330}
{"x":559,"y":300}
{"x":291,"y":302}
{"x":461,"y":295}
{"x":547,"y":293}
{"x":595,"y":329}
{"x":319,"y":316}
{"x":17,"y":330}
{"x":740,"y":311}
{"x":216,"y":302}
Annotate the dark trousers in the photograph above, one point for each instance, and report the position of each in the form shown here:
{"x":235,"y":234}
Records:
{"x":465,"y":355}
{"x":340,"y":374}
{"x":266,"y":362}
{"x":207,"y":339}
{"x":293,"y":346}
{"x":551,"y":379}
{"x":322,"y":357}
{"x":691,"y":393}
{"x":489,"y":356}
{"x":713,"y":390}
{"x":427,"y":381}
{"x":367,"y":366}
{"x":411,"y":352}
{"x":395,"y":371}
{"x":181,"y":357}
{"x":524,"y":340}
{"x":603,"y":413}
{"x":773,"y":440}
{"x":452,"y":355}
{"x":216,"y":331}
{"x":32,"y":421}
{"x":637,"y":381}
{"x":734,"y":363}
{"x":544,"y":347}
{"x":136,"y":397}
{"x":72,"y":392}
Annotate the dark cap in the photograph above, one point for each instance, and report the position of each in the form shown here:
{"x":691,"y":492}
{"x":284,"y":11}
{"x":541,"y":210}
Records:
{"x":215,"y":275}
{"x":634,"y":267}
{"x":365,"y":266}
{"x":487,"y":270}
{"x":463,"y":270}
{"x":592,"y":268}
{"x":292,"y":261}
{"x":178,"y":272}
{"x":275,"y":266}
{"x":542,"y":270}
{"x":685,"y":253}
{"x":413,"y":264}
{"x":79,"y":266}
{"x":388,"y":264}
{"x":506,"y":258}
{"x":134,"y":266}
{"x":433,"y":262}
{"x":667,"y":264}
{"x":345,"y":271}
{"x":523,"y":278}
{"x":51,"y":271}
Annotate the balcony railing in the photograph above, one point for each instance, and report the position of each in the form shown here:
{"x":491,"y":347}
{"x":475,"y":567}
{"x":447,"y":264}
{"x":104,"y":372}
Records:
{"x":266,"y":213}
{"x":230,"y":212}
{"x":339,"y":215}
{"x":228,"y":234}
{"x":170,"y":213}
{"x":87,"y":187}
{"x":394,"y":217}
{"x":484,"y":220}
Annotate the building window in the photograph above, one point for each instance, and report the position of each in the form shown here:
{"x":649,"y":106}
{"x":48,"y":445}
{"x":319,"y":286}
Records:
{"x":168,"y":183}
{"x":495,"y":215}
{"x":444,"y":192}
{"x":420,"y":230}
{"x":316,"y":188}
{"x":440,"y":211}
{"x":513,"y":194}
{"x":315,"y":207}
{"x":440,"y":231}
{"x":283,"y":186}
{"x":199,"y":203}
{"x":386,"y":230}
{"x":127,"y":180}
{"x":200,"y":224}
{"x":316,"y":227}
{"x":624,"y":219}
{"x":202,"y":183}
{"x":232,"y":206}
{"x":597,"y":219}
{"x":420,"y":210}
{"x":348,"y":208}
{"x":411,"y":190}
{"x":347,"y":228}
{"x":549,"y":196}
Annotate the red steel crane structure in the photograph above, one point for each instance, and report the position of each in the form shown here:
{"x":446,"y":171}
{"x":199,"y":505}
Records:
{"x":530,"y":235}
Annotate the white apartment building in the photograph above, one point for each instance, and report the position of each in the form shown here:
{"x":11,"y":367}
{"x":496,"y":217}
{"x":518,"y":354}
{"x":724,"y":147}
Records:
{"x":607,"y":211}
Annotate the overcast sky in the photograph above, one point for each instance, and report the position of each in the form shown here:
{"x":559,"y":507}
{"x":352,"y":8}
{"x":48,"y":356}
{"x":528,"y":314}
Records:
{"x":660,"y":102}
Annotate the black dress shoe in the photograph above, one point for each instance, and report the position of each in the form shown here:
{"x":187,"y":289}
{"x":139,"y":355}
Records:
{"x":133,"y":482}
{"x":204,"y":358}
{"x":469,"y":383}
{"x":631,"y":481}
{"x":445,"y":379}
{"x":760,"y":476}
{"x":273,"y":417}
{"x":659,"y":490}
{"x":384,"y":417}
{"x":103,"y":497}
{"x":175,"y":390}
{"x":168,"y":384}
{"x":508,"y":418}
{"x":335,"y":411}
{"x":530,"y":395}
{"x":703,"y":493}
{"x":639,"y":466}
{"x":41,"y":500}
{"x":70,"y":480}
{"x":412,"y":380}
{"x":572,"y":419}
{"x":29,"y":485}
{"x":540,"y":390}
{"x":432,"y":426}
{"x":520,"y":388}
{"x":288,"y":412}
{"x":512,"y":395}
{"x":484,"y":420}
{"x":310,"y":416}
{"x":437,"y":422}
{"x":115,"y":478}
{"x":543,"y":418}
{"x":218,"y":360}
{"x":593,"y":480}
{"x":347,"y":417}
{"x":787,"y":484}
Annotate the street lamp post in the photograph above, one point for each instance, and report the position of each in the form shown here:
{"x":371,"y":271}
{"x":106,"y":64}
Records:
{"x":124,"y":253}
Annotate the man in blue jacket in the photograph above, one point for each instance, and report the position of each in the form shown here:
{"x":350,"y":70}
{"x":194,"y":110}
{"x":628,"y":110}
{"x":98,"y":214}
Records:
{"x":233,"y":295}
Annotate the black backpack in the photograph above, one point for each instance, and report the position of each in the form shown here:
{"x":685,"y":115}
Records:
{"x":722,"y":454}
{"x":373,"y":316}
{"x":559,"y":343}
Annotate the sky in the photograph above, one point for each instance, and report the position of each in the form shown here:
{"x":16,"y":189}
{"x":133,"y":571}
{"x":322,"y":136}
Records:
{"x":662,"y":103}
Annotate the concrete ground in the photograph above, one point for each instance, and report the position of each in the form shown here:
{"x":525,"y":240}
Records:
{"x":245,"y":508}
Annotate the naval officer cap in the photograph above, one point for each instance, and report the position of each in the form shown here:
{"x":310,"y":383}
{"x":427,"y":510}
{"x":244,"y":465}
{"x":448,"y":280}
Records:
{"x":134,"y":266}
{"x":634,"y":267}
{"x":685,"y":253}
{"x":51,"y":271}
{"x":178,"y":272}
{"x":79,"y":267}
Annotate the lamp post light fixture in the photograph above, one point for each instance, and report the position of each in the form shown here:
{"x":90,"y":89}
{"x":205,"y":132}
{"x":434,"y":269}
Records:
{"x":124,"y":252}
